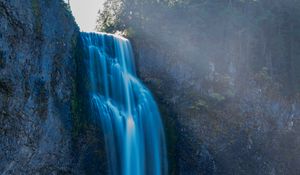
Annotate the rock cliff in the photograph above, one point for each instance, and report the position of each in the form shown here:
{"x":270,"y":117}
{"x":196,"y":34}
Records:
{"x":36,"y":81}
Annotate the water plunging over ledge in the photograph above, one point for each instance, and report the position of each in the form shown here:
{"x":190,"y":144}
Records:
{"x":130,"y":120}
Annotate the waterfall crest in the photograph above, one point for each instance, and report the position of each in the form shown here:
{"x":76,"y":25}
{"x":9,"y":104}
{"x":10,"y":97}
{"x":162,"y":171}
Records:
{"x":130,"y":120}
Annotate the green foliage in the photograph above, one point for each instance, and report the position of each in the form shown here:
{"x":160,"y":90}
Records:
{"x":263,"y":75}
{"x":67,"y":7}
{"x":242,"y":25}
{"x":108,"y":19}
{"x":67,"y":11}
{"x":129,"y":32}
{"x":253,"y":45}
{"x":119,"y":15}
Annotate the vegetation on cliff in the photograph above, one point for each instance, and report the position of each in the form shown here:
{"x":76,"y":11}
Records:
{"x":227,"y":72}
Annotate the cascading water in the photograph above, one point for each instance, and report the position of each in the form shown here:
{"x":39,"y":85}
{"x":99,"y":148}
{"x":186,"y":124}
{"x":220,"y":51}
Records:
{"x":133,"y":131}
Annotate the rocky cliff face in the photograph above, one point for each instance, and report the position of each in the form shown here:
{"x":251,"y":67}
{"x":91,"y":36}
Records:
{"x":228,"y":89}
{"x":229,"y":95}
{"x":36,"y":79}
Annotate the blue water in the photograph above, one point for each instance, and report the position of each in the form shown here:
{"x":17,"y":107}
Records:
{"x":130,"y":120}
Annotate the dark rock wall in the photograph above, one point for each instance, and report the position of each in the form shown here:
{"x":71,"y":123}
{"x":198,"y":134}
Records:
{"x":228,"y":92}
{"x":36,"y":84}
{"x":226,"y":78}
{"x":87,"y":142}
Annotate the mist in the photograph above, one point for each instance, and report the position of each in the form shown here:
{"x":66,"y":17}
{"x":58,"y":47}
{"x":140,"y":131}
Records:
{"x":225,"y":74}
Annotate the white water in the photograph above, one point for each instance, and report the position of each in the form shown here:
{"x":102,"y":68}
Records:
{"x":130,"y":120}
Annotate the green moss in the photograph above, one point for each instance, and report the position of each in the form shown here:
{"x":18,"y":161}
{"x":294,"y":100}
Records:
{"x":6,"y":87}
{"x":217,"y":97}
{"x":2,"y":59}
{"x":48,"y":2}
{"x":66,"y":6}
{"x":263,"y":75}
{"x":129,"y":33}
{"x":68,"y":10}
{"x":36,"y":8}
{"x":80,"y":124}
{"x":230,"y":93}
{"x":75,"y":110}
{"x":75,"y":101}
{"x":171,"y":137}
{"x":41,"y":98}
{"x":80,"y":109}
{"x":199,"y":104}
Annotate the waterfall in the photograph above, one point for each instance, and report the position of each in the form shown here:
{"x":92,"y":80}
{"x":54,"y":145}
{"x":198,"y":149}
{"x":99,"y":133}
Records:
{"x":129,"y":117}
